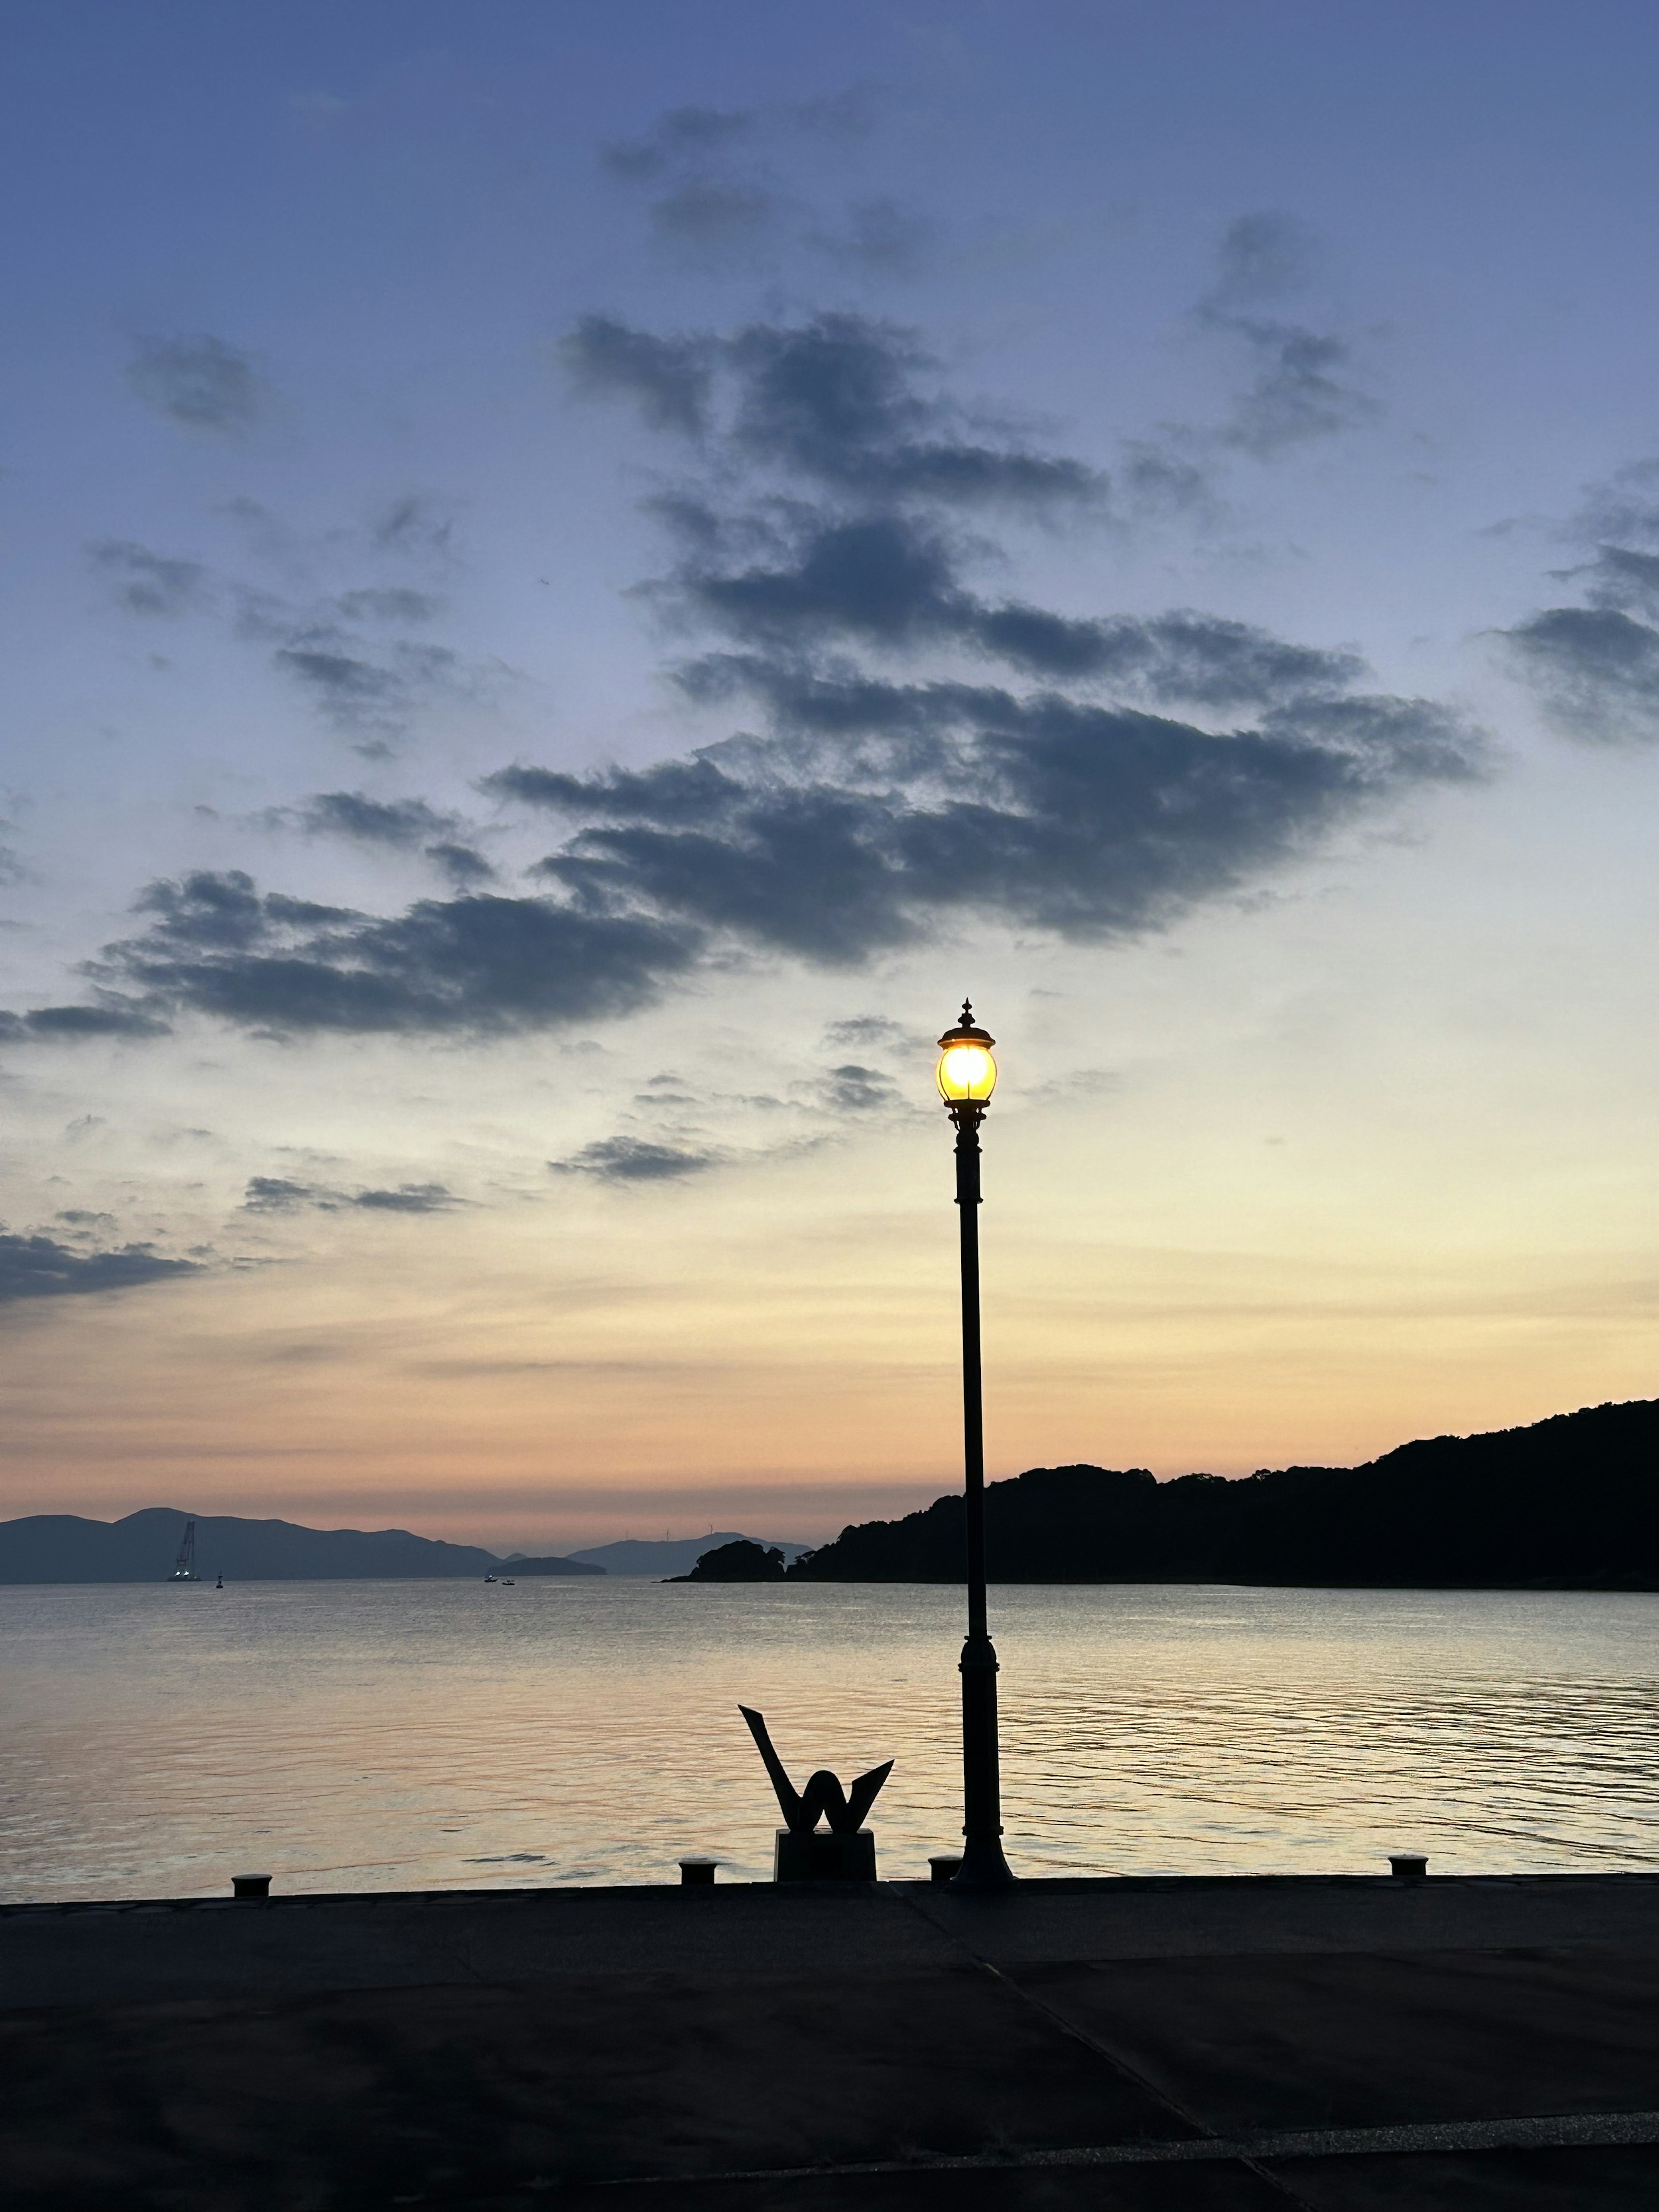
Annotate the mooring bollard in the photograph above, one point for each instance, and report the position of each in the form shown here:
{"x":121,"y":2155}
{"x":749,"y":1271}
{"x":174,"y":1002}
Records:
{"x":250,"y":1886}
{"x":945,"y":1867}
{"x":1409,"y":1866}
{"x":694,"y":1873}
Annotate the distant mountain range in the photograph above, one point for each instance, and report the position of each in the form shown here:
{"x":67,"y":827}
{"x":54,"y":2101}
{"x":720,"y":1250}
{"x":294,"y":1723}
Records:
{"x":61,"y":1548}
{"x":1572,"y":1503}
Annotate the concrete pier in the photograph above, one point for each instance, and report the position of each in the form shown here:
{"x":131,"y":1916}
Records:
{"x":1200,"y":2045}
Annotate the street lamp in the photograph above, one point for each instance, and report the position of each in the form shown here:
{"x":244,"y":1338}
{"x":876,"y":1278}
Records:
{"x":967,"y":1075}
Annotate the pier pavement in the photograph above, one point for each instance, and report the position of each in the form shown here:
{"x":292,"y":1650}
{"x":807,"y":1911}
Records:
{"x":1132,"y":2046}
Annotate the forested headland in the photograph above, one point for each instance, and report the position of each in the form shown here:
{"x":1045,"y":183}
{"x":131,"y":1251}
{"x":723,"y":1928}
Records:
{"x":1571,"y":1503}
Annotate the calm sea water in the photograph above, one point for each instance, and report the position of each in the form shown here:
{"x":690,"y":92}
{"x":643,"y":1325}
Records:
{"x":373,"y":1735}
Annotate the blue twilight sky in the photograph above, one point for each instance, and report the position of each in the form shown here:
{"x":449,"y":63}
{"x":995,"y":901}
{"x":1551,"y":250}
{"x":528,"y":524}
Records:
{"x":576,"y":574}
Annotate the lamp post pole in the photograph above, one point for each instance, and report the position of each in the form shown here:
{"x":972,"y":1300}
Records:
{"x":967,"y":1075}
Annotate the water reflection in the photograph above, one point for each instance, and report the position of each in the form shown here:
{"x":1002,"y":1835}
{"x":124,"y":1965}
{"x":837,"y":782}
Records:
{"x":429,"y":1735}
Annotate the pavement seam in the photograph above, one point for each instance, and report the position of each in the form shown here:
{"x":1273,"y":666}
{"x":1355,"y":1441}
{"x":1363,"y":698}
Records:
{"x":1110,"y":2057}
{"x":1567,"y":2131}
{"x":1113,"y":2059}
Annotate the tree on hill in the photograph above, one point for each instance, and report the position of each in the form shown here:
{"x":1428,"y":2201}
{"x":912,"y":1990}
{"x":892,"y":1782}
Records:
{"x":742,"y":1562}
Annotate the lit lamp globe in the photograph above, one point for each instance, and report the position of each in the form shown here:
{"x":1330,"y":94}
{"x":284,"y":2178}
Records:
{"x":967,"y":1071}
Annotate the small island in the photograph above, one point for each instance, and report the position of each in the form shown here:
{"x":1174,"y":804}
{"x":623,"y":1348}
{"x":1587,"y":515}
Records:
{"x":742,"y":1561}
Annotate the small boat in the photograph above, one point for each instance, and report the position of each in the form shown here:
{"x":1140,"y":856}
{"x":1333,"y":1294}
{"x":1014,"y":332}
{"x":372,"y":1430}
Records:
{"x":490,"y":1578}
{"x":505,"y":1581}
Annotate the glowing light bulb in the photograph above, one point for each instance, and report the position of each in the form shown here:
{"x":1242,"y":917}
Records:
{"x":967,"y":1071}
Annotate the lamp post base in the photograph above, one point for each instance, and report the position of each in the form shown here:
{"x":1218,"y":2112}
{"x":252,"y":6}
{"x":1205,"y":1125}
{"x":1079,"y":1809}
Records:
{"x":983,"y":1866}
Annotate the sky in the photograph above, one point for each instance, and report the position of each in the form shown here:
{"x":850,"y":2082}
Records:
{"x":576,"y":575}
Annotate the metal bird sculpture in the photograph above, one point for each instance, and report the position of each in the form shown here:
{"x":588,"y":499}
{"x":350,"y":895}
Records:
{"x":823,"y":1796}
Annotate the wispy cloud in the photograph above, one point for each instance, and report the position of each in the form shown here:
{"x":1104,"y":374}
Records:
{"x":146,"y":583}
{"x":199,"y":383}
{"x":679,"y":136}
{"x":402,"y":825}
{"x":1595,"y":667}
{"x":282,"y":1194}
{"x":636,"y":1160}
{"x":1298,"y":394}
{"x":349,"y":651}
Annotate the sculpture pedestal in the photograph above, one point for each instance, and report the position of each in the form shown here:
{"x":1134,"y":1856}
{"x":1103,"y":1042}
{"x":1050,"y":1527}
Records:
{"x":824,"y":1856}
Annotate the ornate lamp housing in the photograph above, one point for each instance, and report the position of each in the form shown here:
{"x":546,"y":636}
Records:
{"x":967,"y":1070}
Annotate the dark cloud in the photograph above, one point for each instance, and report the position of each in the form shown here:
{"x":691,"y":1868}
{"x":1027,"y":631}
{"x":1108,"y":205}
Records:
{"x":873,"y":812}
{"x":464,"y":866}
{"x":1595,"y":669}
{"x":839,"y":399}
{"x":41,"y":1267}
{"x":825,"y":541}
{"x":632,"y":1159}
{"x":279,"y":1194}
{"x":404,"y":823}
{"x":1596,"y":672}
{"x":1621,"y":576}
{"x":201,"y":383}
{"x":668,"y":379}
{"x":66,"y":1024}
{"x":682,"y":134}
{"x":1118,"y":770}
{"x":877,"y":810}
{"x":893,"y":583}
{"x":409,"y":1198}
{"x":673,"y":792}
{"x":882,"y":579}
{"x":475,"y":964}
{"x":854,"y":1090}
{"x":146,"y":583}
